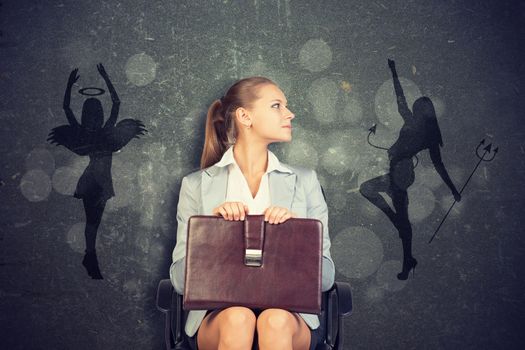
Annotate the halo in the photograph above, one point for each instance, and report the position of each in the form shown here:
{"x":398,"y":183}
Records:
{"x":97,"y":91}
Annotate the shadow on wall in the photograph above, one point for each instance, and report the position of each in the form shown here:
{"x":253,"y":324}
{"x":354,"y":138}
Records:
{"x":97,"y":141}
{"x":420,"y":131}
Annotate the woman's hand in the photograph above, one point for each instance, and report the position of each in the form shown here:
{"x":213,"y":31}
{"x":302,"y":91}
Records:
{"x":73,"y":77}
{"x":277,"y":215}
{"x":231,"y":210}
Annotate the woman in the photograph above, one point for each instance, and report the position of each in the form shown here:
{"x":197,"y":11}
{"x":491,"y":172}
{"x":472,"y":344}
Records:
{"x":420,"y":131}
{"x":240,"y":176}
{"x":90,"y":137}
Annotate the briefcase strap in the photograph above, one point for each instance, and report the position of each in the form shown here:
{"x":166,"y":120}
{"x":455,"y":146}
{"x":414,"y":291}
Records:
{"x":253,"y":240}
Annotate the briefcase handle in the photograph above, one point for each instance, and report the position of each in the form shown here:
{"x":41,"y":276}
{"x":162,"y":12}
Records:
{"x":253,"y":240}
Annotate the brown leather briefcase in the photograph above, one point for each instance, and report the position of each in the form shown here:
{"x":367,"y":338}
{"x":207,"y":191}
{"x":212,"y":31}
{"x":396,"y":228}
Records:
{"x":253,"y":263}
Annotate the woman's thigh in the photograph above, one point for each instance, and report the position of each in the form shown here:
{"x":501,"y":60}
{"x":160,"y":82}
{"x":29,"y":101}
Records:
{"x":304,"y":336}
{"x":236,"y":324}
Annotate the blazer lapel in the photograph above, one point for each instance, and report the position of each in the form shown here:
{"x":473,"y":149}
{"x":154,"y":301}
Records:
{"x":282,"y":188}
{"x":213,"y":188}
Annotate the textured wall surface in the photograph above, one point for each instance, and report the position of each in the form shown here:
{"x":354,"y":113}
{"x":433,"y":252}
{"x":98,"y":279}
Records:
{"x":168,"y":60}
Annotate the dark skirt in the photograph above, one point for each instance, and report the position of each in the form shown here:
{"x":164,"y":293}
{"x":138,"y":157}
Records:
{"x":315,"y":336}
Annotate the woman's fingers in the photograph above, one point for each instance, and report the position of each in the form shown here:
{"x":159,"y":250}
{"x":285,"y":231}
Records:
{"x":282,"y":216}
{"x":246,"y":210}
{"x":223,"y":212}
{"x":235,"y":211}
{"x":232,"y":210}
{"x":238,"y":211}
{"x":276,"y":215}
{"x":228,"y":210}
{"x":242,"y":210}
{"x":285,"y":217}
{"x":220,"y":211}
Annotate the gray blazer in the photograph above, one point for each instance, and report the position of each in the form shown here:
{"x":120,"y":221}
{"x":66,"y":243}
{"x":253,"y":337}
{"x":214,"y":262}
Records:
{"x":203,"y":190}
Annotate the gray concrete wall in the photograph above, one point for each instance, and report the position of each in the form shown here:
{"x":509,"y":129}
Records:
{"x":168,"y":60}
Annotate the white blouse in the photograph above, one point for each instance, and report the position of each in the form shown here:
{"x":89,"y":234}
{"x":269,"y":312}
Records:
{"x":237,"y":188}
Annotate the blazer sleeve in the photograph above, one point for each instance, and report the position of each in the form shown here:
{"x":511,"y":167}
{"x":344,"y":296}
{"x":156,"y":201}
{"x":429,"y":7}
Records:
{"x":187,"y":206}
{"x":317,"y":209}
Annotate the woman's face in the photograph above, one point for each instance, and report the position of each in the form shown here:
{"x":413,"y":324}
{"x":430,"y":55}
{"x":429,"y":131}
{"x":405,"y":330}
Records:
{"x":271,"y":120}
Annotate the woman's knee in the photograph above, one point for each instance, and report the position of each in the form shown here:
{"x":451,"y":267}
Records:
{"x":276,"y":320}
{"x":276,"y":328}
{"x":237,"y":317}
{"x":237,"y":327}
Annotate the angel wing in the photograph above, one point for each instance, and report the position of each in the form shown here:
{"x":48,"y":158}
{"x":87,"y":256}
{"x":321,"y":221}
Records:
{"x":125,"y":130}
{"x":71,"y":137}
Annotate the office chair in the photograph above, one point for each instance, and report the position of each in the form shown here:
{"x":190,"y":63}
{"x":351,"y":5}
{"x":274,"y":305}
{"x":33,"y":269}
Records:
{"x":336,"y":303}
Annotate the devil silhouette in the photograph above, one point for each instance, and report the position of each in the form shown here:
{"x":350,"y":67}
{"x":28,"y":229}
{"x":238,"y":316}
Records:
{"x":420,"y":131}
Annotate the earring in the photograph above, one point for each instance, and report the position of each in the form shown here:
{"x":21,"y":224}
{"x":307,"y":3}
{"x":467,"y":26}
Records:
{"x":248,"y":126}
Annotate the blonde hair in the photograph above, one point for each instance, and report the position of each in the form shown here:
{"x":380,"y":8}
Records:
{"x":221,"y":131}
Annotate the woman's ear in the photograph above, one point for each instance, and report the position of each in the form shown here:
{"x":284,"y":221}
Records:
{"x":243,"y":117}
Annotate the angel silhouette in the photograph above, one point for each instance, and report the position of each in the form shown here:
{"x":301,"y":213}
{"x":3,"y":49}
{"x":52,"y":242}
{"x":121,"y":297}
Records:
{"x":95,"y":186}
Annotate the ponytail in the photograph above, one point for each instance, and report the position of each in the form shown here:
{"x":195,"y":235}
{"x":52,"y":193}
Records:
{"x":216,"y":135}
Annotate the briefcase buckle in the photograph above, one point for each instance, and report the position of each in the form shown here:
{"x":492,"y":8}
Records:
{"x":253,"y":257}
